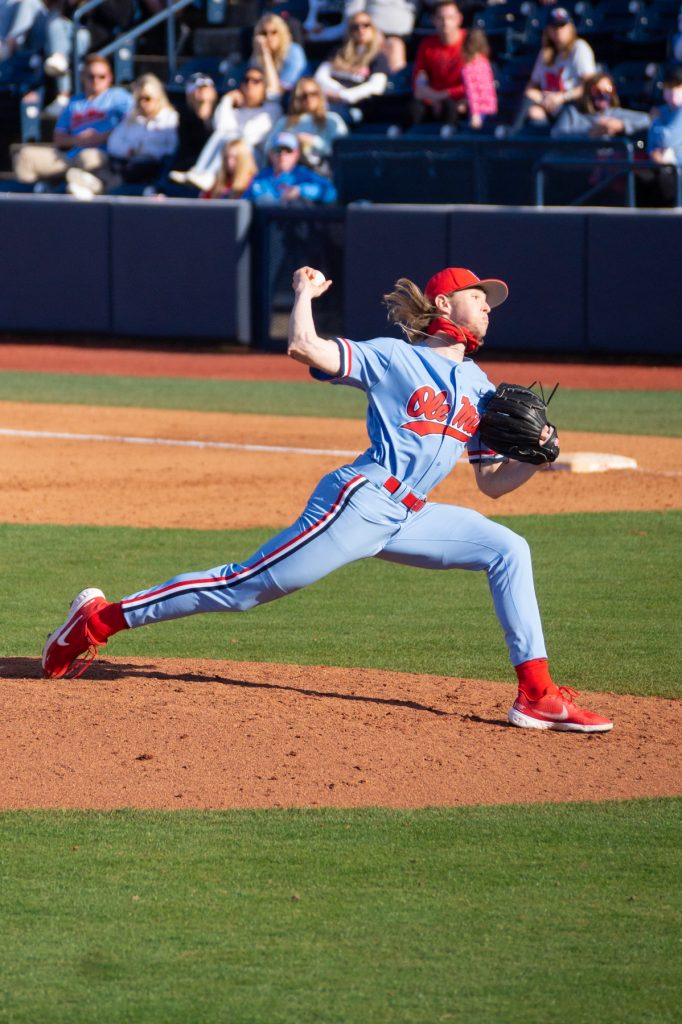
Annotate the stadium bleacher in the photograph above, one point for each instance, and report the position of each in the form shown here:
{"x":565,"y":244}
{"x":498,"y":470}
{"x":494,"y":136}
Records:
{"x":632,"y":39}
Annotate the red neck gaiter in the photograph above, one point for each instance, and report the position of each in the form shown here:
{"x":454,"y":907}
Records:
{"x":440,"y":325}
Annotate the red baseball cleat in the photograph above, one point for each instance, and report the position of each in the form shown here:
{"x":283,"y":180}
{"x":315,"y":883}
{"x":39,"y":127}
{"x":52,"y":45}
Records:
{"x":70,"y":649}
{"x":556,"y":711}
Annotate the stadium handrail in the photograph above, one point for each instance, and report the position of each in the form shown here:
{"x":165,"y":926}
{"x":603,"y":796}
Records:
{"x":167,"y":15}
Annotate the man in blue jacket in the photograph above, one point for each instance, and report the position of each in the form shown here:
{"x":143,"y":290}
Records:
{"x":285,"y":180}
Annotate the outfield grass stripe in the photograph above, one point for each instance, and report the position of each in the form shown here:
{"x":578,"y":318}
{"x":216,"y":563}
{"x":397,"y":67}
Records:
{"x":618,"y":412}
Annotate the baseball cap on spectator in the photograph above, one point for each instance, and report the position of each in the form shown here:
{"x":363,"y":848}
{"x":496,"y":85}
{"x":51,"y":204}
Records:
{"x":285,"y":140}
{"x":560,"y":16}
{"x":197,"y":80}
{"x":456,"y":279}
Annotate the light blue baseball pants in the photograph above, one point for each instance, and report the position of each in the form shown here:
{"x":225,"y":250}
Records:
{"x":348,"y":518}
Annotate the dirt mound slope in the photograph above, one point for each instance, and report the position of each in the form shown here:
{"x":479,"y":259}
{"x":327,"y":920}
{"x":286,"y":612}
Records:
{"x":226,"y":734}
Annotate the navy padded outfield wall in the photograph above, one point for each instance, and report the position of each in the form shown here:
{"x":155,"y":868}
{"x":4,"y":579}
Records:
{"x":634,"y":274}
{"x":582,"y":281}
{"x":55,"y":265}
{"x":180,"y":269}
{"x":176,"y":269}
{"x":538,"y":253}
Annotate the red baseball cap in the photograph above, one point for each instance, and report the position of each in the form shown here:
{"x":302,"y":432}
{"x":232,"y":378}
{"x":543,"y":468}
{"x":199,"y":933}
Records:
{"x":456,"y":279}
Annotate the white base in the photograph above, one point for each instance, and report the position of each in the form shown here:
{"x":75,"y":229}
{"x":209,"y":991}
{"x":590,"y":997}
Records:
{"x":592,"y":462}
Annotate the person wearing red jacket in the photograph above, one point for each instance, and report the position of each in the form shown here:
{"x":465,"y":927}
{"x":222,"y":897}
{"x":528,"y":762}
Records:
{"x":438,"y":92}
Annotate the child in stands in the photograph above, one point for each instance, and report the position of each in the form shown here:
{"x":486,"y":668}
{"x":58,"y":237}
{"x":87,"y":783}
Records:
{"x":478,"y":78}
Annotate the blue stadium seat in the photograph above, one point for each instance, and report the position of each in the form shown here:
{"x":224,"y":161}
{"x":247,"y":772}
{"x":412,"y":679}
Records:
{"x":638,"y":83}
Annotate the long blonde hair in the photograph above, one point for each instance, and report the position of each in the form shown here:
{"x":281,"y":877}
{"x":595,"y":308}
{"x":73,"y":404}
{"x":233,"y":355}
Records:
{"x":297,"y":105}
{"x":284,"y":38}
{"x":351,"y":57}
{"x":244,"y":171}
{"x":409,"y":308}
{"x":154,"y":86}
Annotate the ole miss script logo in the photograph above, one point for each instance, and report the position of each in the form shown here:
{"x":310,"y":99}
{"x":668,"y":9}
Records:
{"x":435,"y":410}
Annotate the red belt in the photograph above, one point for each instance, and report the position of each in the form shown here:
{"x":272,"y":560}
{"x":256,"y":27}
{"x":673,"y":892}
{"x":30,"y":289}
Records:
{"x":410,"y":500}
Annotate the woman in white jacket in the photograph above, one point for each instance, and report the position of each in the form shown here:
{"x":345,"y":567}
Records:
{"x":358,"y":70}
{"x":137,"y":146}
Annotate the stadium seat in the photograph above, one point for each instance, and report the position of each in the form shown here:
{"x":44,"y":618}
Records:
{"x":498,"y":23}
{"x":637,"y":83}
{"x":604,"y":25}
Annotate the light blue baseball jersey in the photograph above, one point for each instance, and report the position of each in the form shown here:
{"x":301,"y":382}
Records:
{"x":101,"y":113}
{"x":423,"y":413}
{"x":423,"y":410}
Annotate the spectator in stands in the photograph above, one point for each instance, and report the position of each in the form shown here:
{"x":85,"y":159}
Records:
{"x":285,"y":180}
{"x":563,"y":65}
{"x":357,"y":70}
{"x":395,"y":19}
{"x":437,"y":83}
{"x":478,"y":79}
{"x":598,"y":114}
{"x":664,"y":143}
{"x":314,"y":126}
{"x":136,"y":148}
{"x":248,"y":113}
{"x":281,"y":60}
{"x":21,"y":25}
{"x":96,"y":29}
{"x":58,"y":49}
{"x":237,"y":170}
{"x":195,"y":126}
{"x":81,"y":131}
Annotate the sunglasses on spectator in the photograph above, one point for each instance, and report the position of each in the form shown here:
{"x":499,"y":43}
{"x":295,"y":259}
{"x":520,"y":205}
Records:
{"x":283,"y":149}
{"x":309,"y":94}
{"x":360,"y":24}
{"x":254,"y":79}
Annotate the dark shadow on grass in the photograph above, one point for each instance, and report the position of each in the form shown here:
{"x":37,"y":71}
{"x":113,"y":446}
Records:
{"x":104,"y":671}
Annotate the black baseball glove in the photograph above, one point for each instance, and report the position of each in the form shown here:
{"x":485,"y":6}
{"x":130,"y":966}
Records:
{"x":512,"y":425}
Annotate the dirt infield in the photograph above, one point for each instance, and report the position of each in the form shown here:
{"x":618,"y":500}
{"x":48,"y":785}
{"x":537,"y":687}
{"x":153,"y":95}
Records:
{"x":53,"y":480}
{"x":219,"y":734}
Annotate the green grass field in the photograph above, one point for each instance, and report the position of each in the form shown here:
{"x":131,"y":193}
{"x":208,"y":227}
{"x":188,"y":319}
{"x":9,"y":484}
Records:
{"x":496,"y":915}
{"x":516,"y":914}
{"x":621,"y":412}
{"x":608,"y":586}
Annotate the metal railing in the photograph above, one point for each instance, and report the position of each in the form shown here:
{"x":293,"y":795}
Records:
{"x":126,"y":38}
{"x":77,"y":19}
{"x":607,"y":172}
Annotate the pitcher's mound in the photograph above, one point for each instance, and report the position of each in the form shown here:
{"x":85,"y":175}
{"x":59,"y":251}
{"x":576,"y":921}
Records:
{"x":221,"y":734}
